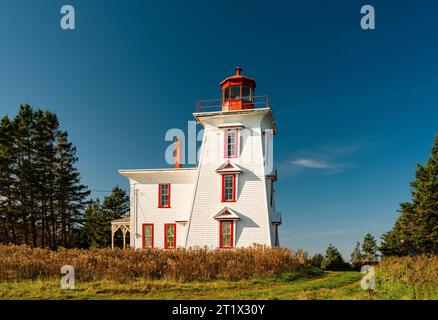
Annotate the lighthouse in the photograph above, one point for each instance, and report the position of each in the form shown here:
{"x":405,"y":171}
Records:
{"x":227,"y":200}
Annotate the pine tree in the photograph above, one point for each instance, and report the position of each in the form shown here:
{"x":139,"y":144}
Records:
{"x":357,"y":258}
{"x":117,"y":203}
{"x":369,"y":248}
{"x":333,"y":260}
{"x":45,"y":127}
{"x":317,"y":260}
{"x":416,"y":229}
{"x":70,"y":194}
{"x":8,"y":205}
{"x":393,"y":245}
{"x":41,"y":197}
{"x":96,"y":231}
{"x":93,"y":233}
{"x":25,"y":174}
{"x":116,"y":206}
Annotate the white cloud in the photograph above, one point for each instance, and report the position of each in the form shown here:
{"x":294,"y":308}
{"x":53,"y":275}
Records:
{"x":310,"y":163}
{"x":328,"y":158}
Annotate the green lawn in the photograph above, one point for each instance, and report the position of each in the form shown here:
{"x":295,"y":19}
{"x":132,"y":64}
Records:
{"x":328,"y":285}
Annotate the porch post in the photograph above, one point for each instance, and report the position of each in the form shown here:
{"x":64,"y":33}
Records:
{"x":124,"y":236}
{"x":112,"y":236}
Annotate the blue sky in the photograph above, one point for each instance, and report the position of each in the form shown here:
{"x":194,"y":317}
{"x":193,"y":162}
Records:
{"x":355,"y":109}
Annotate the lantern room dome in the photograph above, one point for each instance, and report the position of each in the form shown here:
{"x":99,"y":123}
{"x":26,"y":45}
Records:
{"x":238,"y":78}
{"x":238,"y":92}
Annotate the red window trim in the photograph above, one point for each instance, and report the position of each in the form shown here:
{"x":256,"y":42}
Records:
{"x":159,"y":196}
{"x":223,"y":188}
{"x":231,"y":237}
{"x":165,"y":235}
{"x":226,"y":143}
{"x":142,"y":232}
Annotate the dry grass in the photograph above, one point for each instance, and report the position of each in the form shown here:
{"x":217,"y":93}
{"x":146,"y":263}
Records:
{"x":409,"y":277}
{"x":327,"y":285}
{"x":25,"y":263}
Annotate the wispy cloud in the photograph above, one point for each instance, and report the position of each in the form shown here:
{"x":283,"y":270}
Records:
{"x":309,"y":163}
{"x":329,"y":158}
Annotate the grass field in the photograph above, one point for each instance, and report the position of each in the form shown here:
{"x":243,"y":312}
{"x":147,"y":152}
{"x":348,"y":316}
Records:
{"x":244,"y":273}
{"x":329,"y":285}
{"x":323,"y":286}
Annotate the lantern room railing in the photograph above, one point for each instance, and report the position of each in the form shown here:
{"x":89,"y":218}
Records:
{"x":216,"y":104}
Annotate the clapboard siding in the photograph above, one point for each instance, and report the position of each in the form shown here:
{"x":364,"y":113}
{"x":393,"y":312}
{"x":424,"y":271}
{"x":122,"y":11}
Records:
{"x":147,"y":210}
{"x":197,"y":195}
{"x":251,"y":205}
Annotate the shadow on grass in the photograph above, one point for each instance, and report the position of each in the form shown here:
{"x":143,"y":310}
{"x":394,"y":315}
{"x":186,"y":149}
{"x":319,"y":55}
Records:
{"x":301,"y":273}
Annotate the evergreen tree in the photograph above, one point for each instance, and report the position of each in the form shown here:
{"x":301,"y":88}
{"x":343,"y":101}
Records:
{"x":25,"y":174}
{"x":369,"y":248}
{"x":117,"y":203}
{"x":94,"y":231}
{"x":357,"y":258}
{"x":333,"y":260}
{"x":392,"y":244}
{"x":416,"y":229}
{"x":97,"y":225}
{"x":8,"y":206}
{"x":41,"y":198}
{"x":116,"y":206}
{"x":317,"y":260}
{"x":70,"y":193}
{"x":46,"y":127}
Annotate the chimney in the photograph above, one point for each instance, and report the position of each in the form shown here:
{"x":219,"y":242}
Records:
{"x":177,"y":152}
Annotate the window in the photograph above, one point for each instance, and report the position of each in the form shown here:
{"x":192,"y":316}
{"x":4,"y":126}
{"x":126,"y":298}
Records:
{"x":148,"y":235}
{"x":226,"y":94}
{"x":229,"y":188}
{"x":170,"y":236}
{"x":164,"y":195}
{"x":231,"y":145}
{"x":226,"y":231}
{"x":246,"y":93}
{"x":235,"y":92}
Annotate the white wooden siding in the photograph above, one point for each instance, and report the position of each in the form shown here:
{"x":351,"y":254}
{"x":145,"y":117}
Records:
{"x":203,"y":188}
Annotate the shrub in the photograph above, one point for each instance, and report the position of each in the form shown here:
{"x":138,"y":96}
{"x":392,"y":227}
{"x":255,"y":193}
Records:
{"x":23,"y":262}
{"x":317,"y":260}
{"x":415,"y":274}
{"x":333,"y":260}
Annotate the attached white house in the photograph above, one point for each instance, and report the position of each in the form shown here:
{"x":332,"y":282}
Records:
{"x":227,"y":200}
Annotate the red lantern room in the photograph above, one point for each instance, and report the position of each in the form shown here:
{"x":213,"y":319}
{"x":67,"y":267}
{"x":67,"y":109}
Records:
{"x":237,"y":92}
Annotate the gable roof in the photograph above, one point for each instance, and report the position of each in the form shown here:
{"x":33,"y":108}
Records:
{"x":228,"y":167}
{"x":226,"y":214}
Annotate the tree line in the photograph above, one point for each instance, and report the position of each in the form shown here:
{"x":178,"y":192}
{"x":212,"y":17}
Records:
{"x":96,"y":228}
{"x":44,"y":204}
{"x":416,"y":229}
{"x":363,"y":254}
{"x":414,"y":232}
{"x":42,"y":200}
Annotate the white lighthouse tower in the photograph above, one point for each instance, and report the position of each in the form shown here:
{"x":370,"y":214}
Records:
{"x":227,"y":200}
